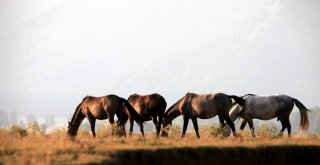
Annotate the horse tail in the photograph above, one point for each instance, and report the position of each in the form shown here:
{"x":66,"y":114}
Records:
{"x":304,"y":122}
{"x":164,"y":104}
{"x":237,"y":99}
{"x":133,"y":113}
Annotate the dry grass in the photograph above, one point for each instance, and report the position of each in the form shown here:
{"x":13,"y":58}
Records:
{"x":54,"y":148}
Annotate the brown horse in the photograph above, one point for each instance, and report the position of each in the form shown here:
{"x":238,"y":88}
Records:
{"x":104,"y":107}
{"x":148,"y":107}
{"x":203,"y":106}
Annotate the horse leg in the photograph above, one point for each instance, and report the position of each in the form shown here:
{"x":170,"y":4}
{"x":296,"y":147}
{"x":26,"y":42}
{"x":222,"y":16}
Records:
{"x":284,"y":122}
{"x":155,"y":122}
{"x":159,"y":125}
{"x":231,"y":125}
{"x":185,"y":125}
{"x":251,"y":127}
{"x":141,"y":128}
{"x":123,"y":128}
{"x":221,"y":120}
{"x":195,"y":126}
{"x":92,"y":122}
{"x":243,"y":124}
{"x":289,"y":128}
{"x":111,"y":121}
{"x":131,"y":126}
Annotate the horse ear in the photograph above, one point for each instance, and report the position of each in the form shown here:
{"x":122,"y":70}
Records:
{"x":69,"y":122}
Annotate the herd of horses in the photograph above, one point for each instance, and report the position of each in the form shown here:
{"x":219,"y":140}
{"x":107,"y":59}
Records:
{"x":142,"y":108}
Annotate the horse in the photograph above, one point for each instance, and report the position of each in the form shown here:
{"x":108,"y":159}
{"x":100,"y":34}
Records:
{"x":148,"y":107}
{"x":203,"y":106}
{"x":105,"y":107}
{"x":269,"y":107}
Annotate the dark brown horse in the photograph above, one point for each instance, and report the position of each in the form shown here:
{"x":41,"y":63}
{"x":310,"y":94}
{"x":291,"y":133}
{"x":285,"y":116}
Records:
{"x":148,"y":107}
{"x":104,"y":107}
{"x":203,"y":106}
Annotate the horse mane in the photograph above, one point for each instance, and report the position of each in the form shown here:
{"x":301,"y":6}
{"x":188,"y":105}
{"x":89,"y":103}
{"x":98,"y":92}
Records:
{"x":78,"y":107}
{"x":169,"y":109}
{"x":135,"y":94}
{"x":248,"y":95}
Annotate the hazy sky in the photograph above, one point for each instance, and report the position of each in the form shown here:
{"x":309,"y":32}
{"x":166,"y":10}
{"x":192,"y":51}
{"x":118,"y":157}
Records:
{"x":53,"y":53}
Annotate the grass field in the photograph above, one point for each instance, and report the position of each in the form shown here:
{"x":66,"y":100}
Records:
{"x":32,"y":147}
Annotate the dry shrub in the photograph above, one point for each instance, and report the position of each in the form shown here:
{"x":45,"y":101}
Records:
{"x":103,"y":129}
{"x":4,"y":133}
{"x":106,"y":129}
{"x":17,"y":131}
{"x":267,"y":131}
{"x":173,"y":131}
{"x":246,"y":134}
{"x":58,"y":132}
{"x":217,"y":131}
{"x":83,"y":132}
{"x":33,"y":128}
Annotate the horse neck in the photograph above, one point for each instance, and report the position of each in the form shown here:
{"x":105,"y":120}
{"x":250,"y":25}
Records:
{"x":174,"y":110}
{"x":174,"y":113}
{"x":77,"y":118}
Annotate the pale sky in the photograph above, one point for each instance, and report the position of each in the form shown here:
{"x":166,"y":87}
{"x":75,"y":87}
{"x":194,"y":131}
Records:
{"x":54,"y":53}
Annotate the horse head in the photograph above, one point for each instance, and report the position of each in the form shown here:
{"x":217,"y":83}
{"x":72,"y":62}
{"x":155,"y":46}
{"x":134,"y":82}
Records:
{"x":165,"y":126}
{"x":72,"y":130}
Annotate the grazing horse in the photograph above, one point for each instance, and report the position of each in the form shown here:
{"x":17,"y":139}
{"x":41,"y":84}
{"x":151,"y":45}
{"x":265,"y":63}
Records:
{"x":203,"y":106}
{"x":104,"y":107}
{"x":148,"y":107}
{"x":269,"y":107}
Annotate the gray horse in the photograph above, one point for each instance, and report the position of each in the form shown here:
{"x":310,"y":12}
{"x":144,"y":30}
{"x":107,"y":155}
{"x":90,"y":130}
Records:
{"x":203,"y":106}
{"x":269,"y":107}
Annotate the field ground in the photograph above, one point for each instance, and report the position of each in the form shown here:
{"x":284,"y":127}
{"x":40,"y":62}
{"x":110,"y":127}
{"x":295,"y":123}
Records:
{"x":54,"y":148}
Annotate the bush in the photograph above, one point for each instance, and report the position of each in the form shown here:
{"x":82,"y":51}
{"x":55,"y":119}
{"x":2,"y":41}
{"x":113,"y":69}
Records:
{"x":83,"y":132}
{"x":58,"y":132}
{"x":217,"y":131}
{"x":16,"y":130}
{"x":103,"y":129}
{"x":172,"y":130}
{"x":3,"y":132}
{"x":266,"y":130}
{"x":34,"y":128}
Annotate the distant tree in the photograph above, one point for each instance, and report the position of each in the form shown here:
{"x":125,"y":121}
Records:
{"x":13,"y":119}
{"x":33,"y":128}
{"x":43,"y":128}
{"x":314,"y":119}
{"x":4,"y":121}
{"x":22,"y":124}
{"x":49,"y":121}
{"x":31,"y":117}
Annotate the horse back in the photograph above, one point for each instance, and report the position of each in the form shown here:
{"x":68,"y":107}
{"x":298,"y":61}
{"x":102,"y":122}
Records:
{"x":154,"y":103}
{"x":209,"y":105}
{"x":98,"y":107}
{"x":262,"y":107}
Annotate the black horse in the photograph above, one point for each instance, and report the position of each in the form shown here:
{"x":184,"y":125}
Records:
{"x":148,"y":107}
